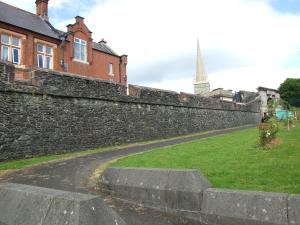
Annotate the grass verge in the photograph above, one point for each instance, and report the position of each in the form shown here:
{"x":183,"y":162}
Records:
{"x":233,"y":161}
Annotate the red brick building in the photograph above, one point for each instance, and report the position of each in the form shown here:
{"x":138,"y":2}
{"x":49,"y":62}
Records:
{"x":29,"y":41}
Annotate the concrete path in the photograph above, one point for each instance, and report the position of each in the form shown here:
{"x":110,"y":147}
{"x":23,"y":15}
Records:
{"x":73,"y":175}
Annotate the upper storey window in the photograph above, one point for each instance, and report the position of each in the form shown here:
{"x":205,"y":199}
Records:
{"x":10,"y":48}
{"x":44,"y":56}
{"x":110,"y":69}
{"x":80,"y":50}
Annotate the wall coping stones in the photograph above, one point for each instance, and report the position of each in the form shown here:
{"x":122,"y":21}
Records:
{"x":47,"y":82}
{"x":29,"y":205}
{"x":162,"y":188}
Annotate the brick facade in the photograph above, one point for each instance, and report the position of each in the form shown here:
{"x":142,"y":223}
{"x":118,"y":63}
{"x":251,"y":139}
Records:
{"x":62,"y":57}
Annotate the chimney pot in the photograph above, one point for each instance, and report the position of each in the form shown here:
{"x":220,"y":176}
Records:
{"x":102,"y":41}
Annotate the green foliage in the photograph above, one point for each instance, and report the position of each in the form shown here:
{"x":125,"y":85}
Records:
{"x":290,"y":91}
{"x":285,"y":104}
{"x":272,"y":104}
{"x":267,"y":133}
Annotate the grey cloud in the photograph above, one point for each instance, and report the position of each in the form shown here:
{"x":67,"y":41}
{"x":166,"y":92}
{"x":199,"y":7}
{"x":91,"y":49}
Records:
{"x":184,"y":66}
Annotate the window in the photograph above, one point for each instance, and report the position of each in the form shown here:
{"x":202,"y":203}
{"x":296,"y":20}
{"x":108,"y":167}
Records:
{"x":80,"y":50}
{"x":10,"y":48}
{"x":110,"y":69}
{"x":44,"y":56}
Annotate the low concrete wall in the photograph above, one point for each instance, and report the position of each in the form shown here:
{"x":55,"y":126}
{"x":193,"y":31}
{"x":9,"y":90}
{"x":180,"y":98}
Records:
{"x":249,"y":207}
{"x":187,"y":193}
{"x":161,"y":188}
{"x":28,"y":205}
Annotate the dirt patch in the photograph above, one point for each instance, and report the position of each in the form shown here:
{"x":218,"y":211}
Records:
{"x":275,"y":142}
{"x":93,"y":179}
{"x":4,"y":173}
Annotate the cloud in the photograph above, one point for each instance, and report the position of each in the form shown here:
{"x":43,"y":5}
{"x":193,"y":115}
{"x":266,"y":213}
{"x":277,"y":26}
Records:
{"x":27,"y":5}
{"x":183,"y":66}
{"x":160,"y":39}
{"x":245,"y":43}
{"x":60,"y":3}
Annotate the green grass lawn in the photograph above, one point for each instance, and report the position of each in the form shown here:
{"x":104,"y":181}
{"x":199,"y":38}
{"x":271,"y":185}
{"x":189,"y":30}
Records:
{"x":233,"y":161}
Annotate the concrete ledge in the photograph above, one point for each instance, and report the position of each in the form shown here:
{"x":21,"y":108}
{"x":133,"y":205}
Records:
{"x":221,"y":206}
{"x":294,"y":209}
{"x":187,"y":193}
{"x":161,"y":188}
{"x":28,"y":205}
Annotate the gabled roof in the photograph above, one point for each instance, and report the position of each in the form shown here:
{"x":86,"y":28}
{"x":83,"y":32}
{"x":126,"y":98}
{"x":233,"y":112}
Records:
{"x":23,"y":19}
{"x":101,"y":46}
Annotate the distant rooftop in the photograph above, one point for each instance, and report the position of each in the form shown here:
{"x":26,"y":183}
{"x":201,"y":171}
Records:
{"x":267,"y":89}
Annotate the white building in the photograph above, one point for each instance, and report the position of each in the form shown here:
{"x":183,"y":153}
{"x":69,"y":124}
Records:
{"x":267,"y":94}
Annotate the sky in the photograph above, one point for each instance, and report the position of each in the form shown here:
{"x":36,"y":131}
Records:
{"x":244,"y":43}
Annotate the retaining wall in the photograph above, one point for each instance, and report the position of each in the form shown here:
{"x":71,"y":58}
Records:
{"x":188,"y":193}
{"x":55,"y":112}
{"x":161,"y":188}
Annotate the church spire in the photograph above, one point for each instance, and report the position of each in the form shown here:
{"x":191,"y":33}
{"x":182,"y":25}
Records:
{"x":200,"y":71}
{"x":201,"y":84}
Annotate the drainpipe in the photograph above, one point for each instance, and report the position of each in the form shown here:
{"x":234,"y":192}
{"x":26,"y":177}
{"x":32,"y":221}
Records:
{"x":62,"y":47}
{"x":120,"y":70}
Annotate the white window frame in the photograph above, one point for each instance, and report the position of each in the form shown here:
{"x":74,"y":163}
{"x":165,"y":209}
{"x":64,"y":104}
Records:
{"x":44,"y":56}
{"x":2,"y":52}
{"x":11,"y":47}
{"x":82,"y":44}
{"x":111,"y":69}
{"x":13,"y":57}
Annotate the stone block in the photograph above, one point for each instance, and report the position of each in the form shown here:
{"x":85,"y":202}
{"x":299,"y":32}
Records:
{"x":29,"y":205}
{"x":224,"y":207}
{"x":294,"y":209}
{"x":161,"y":188}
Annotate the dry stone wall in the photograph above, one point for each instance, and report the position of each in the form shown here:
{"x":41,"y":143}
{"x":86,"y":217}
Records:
{"x":55,"y":113}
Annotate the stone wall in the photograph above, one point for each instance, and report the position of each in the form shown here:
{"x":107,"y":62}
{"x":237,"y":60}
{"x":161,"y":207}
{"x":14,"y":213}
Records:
{"x":55,"y":113}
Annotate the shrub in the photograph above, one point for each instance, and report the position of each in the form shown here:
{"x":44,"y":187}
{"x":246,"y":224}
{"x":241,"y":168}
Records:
{"x":267,"y":133}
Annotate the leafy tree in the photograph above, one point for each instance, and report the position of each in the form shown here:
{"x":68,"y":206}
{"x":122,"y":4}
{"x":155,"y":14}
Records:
{"x":290,"y":91}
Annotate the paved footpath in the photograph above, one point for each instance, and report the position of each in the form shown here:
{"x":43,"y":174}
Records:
{"x":73,"y":175}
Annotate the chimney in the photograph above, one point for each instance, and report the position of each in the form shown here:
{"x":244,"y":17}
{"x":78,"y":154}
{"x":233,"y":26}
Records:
{"x":79,"y":19}
{"x":42,"y":8}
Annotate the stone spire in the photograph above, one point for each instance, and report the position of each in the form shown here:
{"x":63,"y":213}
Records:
{"x":201,"y":84}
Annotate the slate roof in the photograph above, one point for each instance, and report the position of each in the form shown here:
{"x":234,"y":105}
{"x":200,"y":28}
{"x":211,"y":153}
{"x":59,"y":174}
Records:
{"x":20,"y":18}
{"x":101,"y":46}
